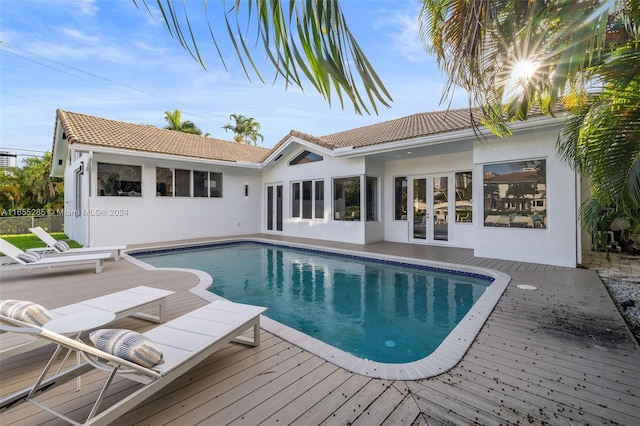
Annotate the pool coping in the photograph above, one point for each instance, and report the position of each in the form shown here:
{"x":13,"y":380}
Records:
{"x":448,"y":354}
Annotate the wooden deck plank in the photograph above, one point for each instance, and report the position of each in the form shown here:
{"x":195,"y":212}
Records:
{"x":378,"y":410}
{"x":325,"y":408}
{"x":405,"y":413}
{"x":318,"y":390}
{"x":348,"y":412}
{"x":212,"y":382}
{"x":255,"y":401}
{"x":552,"y":395}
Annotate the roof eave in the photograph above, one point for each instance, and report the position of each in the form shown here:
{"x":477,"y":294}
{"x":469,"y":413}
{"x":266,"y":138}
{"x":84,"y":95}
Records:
{"x":59,"y":151}
{"x":275,"y":154}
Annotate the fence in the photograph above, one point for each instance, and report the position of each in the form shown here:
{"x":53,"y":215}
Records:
{"x":21,"y":224}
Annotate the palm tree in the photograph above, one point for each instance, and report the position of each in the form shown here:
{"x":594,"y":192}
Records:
{"x":585,"y":55}
{"x":174,"y":123}
{"x":38,"y":189}
{"x":10,"y":194}
{"x":245,"y":129}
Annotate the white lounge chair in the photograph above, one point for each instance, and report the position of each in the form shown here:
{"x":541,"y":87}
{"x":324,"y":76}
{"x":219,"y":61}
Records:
{"x":185,"y":342}
{"x":131,"y":302}
{"x":53,"y":246}
{"x":522,"y":222}
{"x":47,"y":262}
{"x":496,"y":220}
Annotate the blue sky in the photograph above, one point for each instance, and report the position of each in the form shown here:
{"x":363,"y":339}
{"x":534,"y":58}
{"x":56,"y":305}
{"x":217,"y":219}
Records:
{"x":110,"y":59}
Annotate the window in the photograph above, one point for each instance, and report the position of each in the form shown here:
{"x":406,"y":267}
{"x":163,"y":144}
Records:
{"x":346,"y":198}
{"x":400,"y":198}
{"x":215,"y":185}
{"x":205,"y":184}
{"x":200,"y":184}
{"x":307,"y":199}
{"x":319,"y":199}
{"x":118,"y":180}
{"x":371,"y":198}
{"x":295,"y":196}
{"x":305,"y":157}
{"x":515,"y":194}
{"x":164,"y":182}
{"x":464,"y":196}
{"x":183,"y":183}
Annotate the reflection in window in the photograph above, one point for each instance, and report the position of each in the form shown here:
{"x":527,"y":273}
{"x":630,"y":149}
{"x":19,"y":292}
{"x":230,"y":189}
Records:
{"x":346,"y":198}
{"x":118,"y":180}
{"x":400,"y":198}
{"x":464,"y":197}
{"x":371,"y":198}
{"x":164,"y":182}
{"x":306,"y":157}
{"x":515,"y":194}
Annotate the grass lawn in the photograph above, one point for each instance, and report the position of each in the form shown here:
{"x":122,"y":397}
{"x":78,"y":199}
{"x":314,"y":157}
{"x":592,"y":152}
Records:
{"x":27,"y":241}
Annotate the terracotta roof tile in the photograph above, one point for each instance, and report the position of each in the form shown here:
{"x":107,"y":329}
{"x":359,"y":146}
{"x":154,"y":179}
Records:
{"x":413,"y":126}
{"x":89,"y":130}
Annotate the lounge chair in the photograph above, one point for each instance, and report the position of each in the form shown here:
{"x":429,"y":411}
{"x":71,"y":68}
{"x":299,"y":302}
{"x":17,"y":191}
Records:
{"x":496,"y":220}
{"x":185,"y":342}
{"x":54,"y":246}
{"x":47,"y":262}
{"x":131,"y":302}
{"x":522,"y":222}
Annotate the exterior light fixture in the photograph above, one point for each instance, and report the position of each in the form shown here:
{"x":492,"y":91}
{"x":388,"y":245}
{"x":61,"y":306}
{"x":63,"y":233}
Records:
{"x":246,"y":190}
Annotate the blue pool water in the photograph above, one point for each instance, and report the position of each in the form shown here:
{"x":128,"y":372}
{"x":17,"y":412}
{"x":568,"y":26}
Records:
{"x":379,"y":310}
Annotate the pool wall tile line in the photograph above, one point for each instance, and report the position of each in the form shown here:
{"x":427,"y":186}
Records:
{"x":445,"y":357}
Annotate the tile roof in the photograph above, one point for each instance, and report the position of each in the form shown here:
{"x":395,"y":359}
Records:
{"x":412,"y":126}
{"x":89,"y":130}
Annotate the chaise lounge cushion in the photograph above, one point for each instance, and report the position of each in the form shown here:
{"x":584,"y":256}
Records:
{"x":25,"y":311}
{"x":30,"y":256}
{"x":129,"y":345}
{"x":62,"y":246}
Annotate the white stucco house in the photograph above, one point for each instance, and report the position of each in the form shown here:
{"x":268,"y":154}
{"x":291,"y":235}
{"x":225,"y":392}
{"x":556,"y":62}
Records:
{"x":422,"y":179}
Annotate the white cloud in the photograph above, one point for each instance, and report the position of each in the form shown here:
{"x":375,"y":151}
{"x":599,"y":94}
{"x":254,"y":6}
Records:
{"x":87,"y":7}
{"x":402,"y":31}
{"x":78,"y":35}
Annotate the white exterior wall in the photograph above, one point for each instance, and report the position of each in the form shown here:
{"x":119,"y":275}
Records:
{"x":446,"y":159}
{"x":148,"y":219}
{"x":76,"y":226}
{"x":329,"y":168}
{"x":555,"y":245}
{"x":374,"y":230}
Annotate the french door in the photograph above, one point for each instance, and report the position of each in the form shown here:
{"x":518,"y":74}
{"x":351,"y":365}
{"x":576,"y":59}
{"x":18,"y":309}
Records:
{"x":274,"y":207}
{"x":429,"y":207}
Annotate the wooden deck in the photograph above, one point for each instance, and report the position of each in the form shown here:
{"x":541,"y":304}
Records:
{"x":558,"y":355}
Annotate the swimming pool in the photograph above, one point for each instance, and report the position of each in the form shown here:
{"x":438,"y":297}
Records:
{"x":377,"y":311}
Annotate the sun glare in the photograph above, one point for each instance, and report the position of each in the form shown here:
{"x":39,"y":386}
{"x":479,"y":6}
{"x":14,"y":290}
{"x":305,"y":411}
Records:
{"x":523,"y":70}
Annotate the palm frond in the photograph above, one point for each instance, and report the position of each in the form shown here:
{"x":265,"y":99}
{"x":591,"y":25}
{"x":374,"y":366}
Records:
{"x":301,"y":39}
